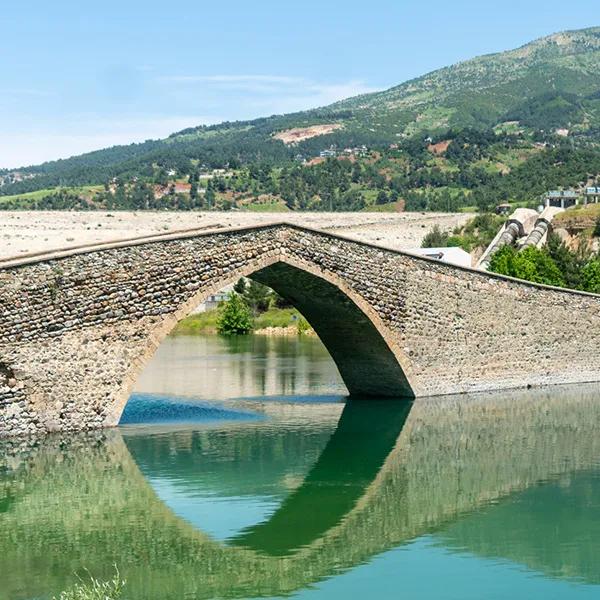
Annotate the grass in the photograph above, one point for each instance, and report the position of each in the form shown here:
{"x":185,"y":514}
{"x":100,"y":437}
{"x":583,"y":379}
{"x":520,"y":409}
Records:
{"x":267,"y":207}
{"x":95,"y":590}
{"x":579,"y":217}
{"x":276,"y":317}
{"x":206,"y":322}
{"x":86,"y":190}
{"x":389,"y":207}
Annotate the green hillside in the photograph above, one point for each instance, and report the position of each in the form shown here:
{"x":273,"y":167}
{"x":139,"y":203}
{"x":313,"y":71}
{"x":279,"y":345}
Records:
{"x":510,"y":125}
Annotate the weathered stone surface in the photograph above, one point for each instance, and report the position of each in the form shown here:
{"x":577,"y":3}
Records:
{"x":76,"y":329}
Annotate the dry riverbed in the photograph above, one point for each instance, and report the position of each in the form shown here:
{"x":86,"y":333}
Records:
{"x":26,"y":232}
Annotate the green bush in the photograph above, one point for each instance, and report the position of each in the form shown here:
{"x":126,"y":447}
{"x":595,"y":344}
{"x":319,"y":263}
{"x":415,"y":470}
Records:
{"x":303,"y":326}
{"x":531,"y":264}
{"x":234,"y":317}
{"x":436,"y":238}
{"x":590,"y":275}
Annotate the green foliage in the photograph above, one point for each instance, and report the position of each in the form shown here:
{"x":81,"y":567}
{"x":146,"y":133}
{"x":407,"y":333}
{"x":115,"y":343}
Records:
{"x":276,"y":317}
{"x":569,"y":263}
{"x":204,"y":322}
{"x":436,"y":238}
{"x":477,"y":233}
{"x":590,"y":276}
{"x":531,"y":264}
{"x":303,"y":326}
{"x":257,"y":296}
{"x":95,"y":590}
{"x":234,"y":317}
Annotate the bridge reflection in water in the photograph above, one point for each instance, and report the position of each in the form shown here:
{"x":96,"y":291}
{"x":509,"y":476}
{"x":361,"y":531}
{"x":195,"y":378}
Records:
{"x":514,"y":478}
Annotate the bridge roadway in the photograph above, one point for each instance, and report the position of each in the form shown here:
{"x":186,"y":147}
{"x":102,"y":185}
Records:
{"x":81,"y":500}
{"x":77,"y":326}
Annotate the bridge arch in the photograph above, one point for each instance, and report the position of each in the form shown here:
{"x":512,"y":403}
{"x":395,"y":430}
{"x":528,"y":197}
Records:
{"x":368,"y":360}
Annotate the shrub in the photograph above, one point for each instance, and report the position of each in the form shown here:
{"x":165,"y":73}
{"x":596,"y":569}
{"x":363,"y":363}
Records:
{"x":235,"y":317}
{"x":590,"y":275}
{"x":436,"y":238}
{"x":530,"y":264}
{"x":303,"y":326}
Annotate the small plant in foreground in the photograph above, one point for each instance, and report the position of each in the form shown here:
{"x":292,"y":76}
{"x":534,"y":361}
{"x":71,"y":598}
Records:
{"x":94,"y":589}
{"x":303,"y":326}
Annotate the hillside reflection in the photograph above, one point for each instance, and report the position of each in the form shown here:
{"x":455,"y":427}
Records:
{"x":513,"y":477}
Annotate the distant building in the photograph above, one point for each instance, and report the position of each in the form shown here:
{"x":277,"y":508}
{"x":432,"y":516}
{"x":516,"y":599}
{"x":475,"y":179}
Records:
{"x":451,"y":255}
{"x":591,"y":196}
{"x":503,"y":209}
{"x":214,"y":300}
{"x":561,"y":199}
{"x":328,"y":153}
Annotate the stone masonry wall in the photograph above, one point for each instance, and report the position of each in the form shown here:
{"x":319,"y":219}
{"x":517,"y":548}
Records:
{"x":76,"y":330}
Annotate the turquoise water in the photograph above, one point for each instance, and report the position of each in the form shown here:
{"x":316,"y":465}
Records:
{"x":254,"y":478}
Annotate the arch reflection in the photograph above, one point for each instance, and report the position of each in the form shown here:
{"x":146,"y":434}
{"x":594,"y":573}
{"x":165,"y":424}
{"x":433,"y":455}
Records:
{"x":457,"y":471}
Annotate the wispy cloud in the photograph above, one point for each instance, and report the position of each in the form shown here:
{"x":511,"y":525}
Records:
{"x":275,"y":93}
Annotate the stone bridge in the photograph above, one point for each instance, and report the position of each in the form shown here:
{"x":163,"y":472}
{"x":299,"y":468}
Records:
{"x":77,"y":326}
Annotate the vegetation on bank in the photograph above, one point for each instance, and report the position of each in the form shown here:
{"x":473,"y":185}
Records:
{"x":250,"y":307}
{"x":555,"y":264}
{"x":448,"y":171}
{"x":478,"y":233}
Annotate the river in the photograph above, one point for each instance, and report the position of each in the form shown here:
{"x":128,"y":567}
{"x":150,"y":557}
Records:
{"x":240,"y":471}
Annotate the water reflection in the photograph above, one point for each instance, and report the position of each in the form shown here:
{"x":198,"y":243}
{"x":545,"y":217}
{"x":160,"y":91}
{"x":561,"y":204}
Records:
{"x":513,"y":478}
{"x":220,"y":367}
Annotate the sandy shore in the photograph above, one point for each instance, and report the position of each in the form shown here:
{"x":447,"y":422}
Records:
{"x":24,"y":232}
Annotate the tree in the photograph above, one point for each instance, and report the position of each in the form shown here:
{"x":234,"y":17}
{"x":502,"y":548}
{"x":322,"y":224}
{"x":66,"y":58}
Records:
{"x":257,"y":296}
{"x":590,"y":275}
{"x":569,"y":263}
{"x":234,"y":318}
{"x":382,"y":198}
{"x":597,"y":228}
{"x":530,"y":264}
{"x":436,"y":238}
{"x":240,"y":286}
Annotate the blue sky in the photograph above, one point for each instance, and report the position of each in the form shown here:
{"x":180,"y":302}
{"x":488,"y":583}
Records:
{"x":77,"y":76}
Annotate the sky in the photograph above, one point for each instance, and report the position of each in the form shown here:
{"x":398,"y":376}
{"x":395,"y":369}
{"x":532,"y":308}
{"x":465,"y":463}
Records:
{"x":77,"y":76}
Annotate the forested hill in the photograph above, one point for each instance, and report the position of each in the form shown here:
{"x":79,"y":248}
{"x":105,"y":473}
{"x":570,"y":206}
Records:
{"x":546,"y":92}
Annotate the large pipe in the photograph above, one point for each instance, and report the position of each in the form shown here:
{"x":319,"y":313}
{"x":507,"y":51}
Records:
{"x":518,"y":225}
{"x":542,"y":225}
{"x":512,"y":232}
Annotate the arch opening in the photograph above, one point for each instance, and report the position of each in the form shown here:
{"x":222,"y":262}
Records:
{"x":367,"y":364}
{"x":353,"y":336}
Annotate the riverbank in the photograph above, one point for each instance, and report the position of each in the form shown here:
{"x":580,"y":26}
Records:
{"x":25,"y":232}
{"x":275,"y":321}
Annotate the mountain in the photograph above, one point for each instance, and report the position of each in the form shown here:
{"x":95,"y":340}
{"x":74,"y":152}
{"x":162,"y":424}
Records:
{"x":546,"y":88}
{"x":553,"y":81}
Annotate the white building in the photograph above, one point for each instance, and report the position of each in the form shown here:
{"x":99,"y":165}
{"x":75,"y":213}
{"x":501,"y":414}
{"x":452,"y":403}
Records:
{"x":214,"y":300}
{"x":451,"y":255}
